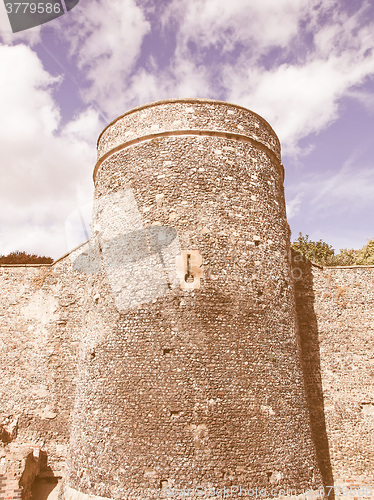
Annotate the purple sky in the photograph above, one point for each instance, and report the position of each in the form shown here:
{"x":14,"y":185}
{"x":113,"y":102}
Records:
{"x":306,"y":66}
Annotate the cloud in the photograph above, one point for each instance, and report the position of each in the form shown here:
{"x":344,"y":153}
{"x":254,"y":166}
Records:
{"x":293,"y":206}
{"x":292,"y":61}
{"x":364,"y":96}
{"x":183,"y":78}
{"x":25,"y":79}
{"x":299,"y":99}
{"x":350,"y":189}
{"x":31,"y":36}
{"x":105,"y":39}
{"x":333,"y":193}
{"x":83,"y":128}
{"x":44,"y":168}
{"x":224,"y":25}
{"x":335,"y":205}
{"x":303,"y":95}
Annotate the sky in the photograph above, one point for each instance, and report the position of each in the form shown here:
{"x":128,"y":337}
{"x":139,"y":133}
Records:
{"x":306,"y":66}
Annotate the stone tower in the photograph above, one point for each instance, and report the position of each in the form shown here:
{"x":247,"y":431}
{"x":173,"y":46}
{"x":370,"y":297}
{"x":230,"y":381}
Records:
{"x":189,"y":373}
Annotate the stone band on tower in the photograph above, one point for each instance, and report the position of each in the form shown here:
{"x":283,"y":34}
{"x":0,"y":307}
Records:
{"x":190,"y":371}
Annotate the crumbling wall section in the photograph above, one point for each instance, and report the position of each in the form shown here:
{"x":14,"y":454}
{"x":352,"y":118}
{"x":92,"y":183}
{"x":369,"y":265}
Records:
{"x":39,"y":339}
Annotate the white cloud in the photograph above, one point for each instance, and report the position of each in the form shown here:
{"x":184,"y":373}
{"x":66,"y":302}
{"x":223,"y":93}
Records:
{"x":342,"y":31}
{"x":321,"y":53}
{"x":301,"y":97}
{"x":225,"y":24}
{"x":292,"y":61}
{"x":45,"y":171}
{"x":334,"y":193}
{"x":23,"y":80}
{"x":183,"y":78}
{"x":344,"y":191}
{"x":30,"y":36}
{"x":84,"y":127}
{"x":364,"y":96}
{"x":299,"y":100}
{"x":105,"y":40}
{"x":293,"y":206}
{"x":336,"y":205}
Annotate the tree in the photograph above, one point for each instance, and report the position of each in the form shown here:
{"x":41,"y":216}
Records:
{"x":24,"y":258}
{"x":346,"y":257}
{"x":316,"y":251}
{"x":365,"y":256}
{"x":323,"y":253}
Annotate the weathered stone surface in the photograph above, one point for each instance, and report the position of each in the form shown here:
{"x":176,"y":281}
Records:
{"x":199,"y":385}
{"x":258,"y":374}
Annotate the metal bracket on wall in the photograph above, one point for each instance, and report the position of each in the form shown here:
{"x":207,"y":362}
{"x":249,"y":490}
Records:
{"x":189,"y":269}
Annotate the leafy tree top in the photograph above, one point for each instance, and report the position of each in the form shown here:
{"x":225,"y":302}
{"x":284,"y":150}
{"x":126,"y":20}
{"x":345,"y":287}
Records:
{"x":365,"y":256}
{"x":322,"y":253}
{"x":316,"y":251}
{"x":24,"y":258}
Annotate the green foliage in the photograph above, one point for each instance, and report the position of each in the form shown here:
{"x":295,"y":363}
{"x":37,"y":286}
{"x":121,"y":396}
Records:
{"x":323,"y":253}
{"x":316,"y":251}
{"x":346,"y":257}
{"x":365,"y":256}
{"x":24,"y":258}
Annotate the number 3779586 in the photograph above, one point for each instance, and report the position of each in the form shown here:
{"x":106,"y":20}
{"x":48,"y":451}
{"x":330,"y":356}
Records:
{"x":33,"y":8}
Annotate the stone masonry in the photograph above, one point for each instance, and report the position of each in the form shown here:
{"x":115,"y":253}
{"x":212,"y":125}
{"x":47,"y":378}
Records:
{"x":183,"y":346}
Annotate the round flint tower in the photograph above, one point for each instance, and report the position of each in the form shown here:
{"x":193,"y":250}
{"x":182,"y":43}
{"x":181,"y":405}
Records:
{"x":190,"y":374}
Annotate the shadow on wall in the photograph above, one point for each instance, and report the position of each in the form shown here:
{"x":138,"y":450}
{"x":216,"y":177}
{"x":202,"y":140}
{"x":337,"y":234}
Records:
{"x":38,"y":481}
{"x":311,"y":364}
{"x":45,"y":488}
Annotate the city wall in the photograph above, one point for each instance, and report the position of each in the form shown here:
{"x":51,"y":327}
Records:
{"x":263,"y":375}
{"x":41,"y":321}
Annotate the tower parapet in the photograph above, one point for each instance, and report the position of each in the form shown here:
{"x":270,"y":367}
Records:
{"x":186,"y":117}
